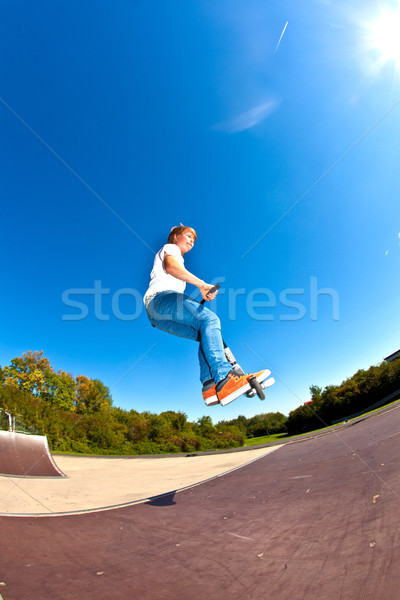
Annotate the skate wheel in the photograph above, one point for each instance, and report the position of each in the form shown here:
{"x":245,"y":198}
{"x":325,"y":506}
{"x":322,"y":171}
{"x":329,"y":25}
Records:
{"x":267,"y":383}
{"x":256,"y":385}
{"x":250,"y":393}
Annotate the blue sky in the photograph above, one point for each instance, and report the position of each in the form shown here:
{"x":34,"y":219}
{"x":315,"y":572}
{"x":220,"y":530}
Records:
{"x":122,"y":119}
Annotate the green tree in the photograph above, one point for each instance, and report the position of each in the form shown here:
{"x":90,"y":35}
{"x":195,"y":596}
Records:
{"x":205,"y":425}
{"x":91,"y":395}
{"x":177,"y":420}
{"x":355,"y":394}
{"x":33,"y":373}
{"x":59,"y":390}
{"x":27,"y":372}
{"x":315,"y":393}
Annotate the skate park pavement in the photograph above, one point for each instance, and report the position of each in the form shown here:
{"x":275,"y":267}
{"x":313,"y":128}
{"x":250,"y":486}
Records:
{"x":98,"y":483}
{"x":319,"y":518}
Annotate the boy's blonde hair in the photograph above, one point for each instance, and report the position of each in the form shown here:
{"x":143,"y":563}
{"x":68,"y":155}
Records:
{"x":178,"y":230}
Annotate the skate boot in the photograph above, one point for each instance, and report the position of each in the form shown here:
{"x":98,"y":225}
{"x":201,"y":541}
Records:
{"x":210,"y":393}
{"x":261,"y":375}
{"x":231,"y":387}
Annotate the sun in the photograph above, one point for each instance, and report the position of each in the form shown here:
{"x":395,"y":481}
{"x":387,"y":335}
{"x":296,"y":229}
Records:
{"x":383,"y":37}
{"x":386,"y":36}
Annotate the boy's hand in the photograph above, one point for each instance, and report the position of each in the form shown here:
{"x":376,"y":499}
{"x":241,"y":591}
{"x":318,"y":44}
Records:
{"x":204,"y":290}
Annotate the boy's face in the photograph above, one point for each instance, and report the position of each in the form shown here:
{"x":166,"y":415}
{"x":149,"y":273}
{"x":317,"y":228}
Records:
{"x":185,"y":241}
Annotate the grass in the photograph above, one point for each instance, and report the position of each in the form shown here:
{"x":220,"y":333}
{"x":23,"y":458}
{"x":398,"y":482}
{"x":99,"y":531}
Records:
{"x":276,"y":437}
{"x":264,"y":439}
{"x":370,"y":412}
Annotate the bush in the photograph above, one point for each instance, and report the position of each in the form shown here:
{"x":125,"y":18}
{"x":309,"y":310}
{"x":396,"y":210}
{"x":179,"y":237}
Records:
{"x":353,"y":395}
{"x":115,"y":431}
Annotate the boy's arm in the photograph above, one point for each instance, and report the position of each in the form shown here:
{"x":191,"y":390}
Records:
{"x":174,"y":268}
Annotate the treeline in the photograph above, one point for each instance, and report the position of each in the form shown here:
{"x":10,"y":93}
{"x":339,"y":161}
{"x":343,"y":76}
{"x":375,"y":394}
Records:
{"x":77,"y":415}
{"x":353,"y":395}
{"x":33,"y":373}
{"x":259,"y":425}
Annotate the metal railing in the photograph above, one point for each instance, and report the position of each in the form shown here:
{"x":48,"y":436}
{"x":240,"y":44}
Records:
{"x":7,"y":417}
{"x":14,"y":423}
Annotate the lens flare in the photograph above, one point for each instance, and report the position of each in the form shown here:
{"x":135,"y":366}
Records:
{"x":384,"y":37}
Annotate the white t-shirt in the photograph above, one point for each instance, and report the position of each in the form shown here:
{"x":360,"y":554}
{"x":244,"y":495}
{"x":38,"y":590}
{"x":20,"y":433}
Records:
{"x":160,"y":280}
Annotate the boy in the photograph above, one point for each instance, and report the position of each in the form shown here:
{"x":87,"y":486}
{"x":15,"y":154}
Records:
{"x":170,"y":310}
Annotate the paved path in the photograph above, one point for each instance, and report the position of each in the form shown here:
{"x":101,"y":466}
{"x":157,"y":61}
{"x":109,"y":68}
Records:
{"x":93,"y":483}
{"x":318,"y":519}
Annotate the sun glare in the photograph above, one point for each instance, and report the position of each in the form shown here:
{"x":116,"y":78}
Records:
{"x":384,"y":36}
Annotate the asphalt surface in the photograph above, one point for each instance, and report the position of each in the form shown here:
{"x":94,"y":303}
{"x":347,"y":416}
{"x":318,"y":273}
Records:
{"x":317,"y":519}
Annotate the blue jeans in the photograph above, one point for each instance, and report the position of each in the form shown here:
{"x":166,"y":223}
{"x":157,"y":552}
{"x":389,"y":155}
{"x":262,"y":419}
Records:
{"x":185,"y":317}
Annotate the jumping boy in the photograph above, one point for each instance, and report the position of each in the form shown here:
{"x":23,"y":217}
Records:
{"x":170,"y":310}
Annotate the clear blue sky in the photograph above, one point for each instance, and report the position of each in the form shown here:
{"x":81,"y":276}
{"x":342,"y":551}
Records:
{"x":121,"y":119}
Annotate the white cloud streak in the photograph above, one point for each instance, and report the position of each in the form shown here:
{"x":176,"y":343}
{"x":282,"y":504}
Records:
{"x":248,"y":119}
{"x":280,"y":39}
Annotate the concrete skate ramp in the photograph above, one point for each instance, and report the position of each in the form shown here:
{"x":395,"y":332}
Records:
{"x":25,"y":455}
{"x":318,"y":519}
{"x":98,"y":483}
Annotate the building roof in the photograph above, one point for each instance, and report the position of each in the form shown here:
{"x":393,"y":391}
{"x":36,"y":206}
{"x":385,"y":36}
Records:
{"x":393,"y":356}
